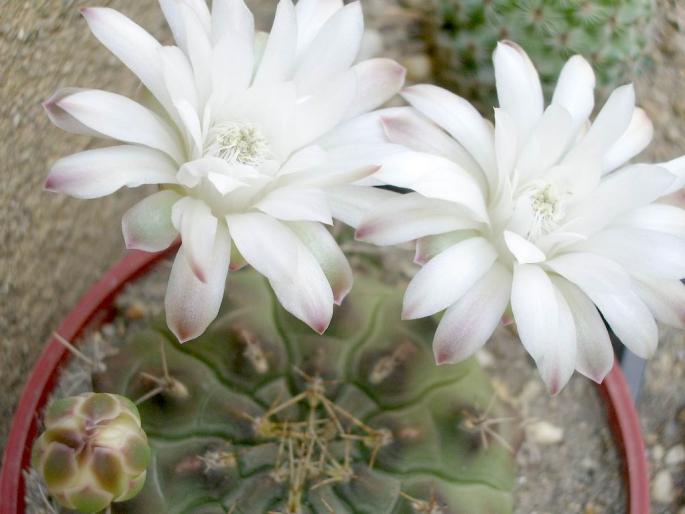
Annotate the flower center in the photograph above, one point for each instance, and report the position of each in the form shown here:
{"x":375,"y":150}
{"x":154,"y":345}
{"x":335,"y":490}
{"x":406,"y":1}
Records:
{"x":239,"y":143}
{"x":549,"y":210}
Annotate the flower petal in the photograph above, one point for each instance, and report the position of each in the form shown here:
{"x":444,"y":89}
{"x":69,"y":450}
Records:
{"x":518,"y":86}
{"x":668,"y":219}
{"x":233,"y":62}
{"x":611,"y":122}
{"x":459,"y":118}
{"x":307,"y":295}
{"x":611,"y":290}
{"x":428,"y":247}
{"x":640,"y":251}
{"x":523,"y":250}
{"x":547,"y":142}
{"x":469,"y":323}
{"x":535,"y":308}
{"x":60,"y":118}
{"x":102,"y":171}
{"x":350,"y":203}
{"x":278,"y":59}
{"x":311,"y":16}
{"x":198,"y":49}
{"x":379,"y":80}
{"x":132,"y":45}
{"x":446,"y":277}
{"x":620,"y":192}
{"x":575,"y":90}
{"x":677,"y":168}
{"x":361,"y":130}
{"x":408,"y":128}
{"x":191,"y":305}
{"x":172,"y":13}
{"x":545,"y":325}
{"x":296,"y":204}
{"x":198,"y":227}
{"x":147,"y":225}
{"x":409,"y":217}
{"x":665,"y":299}
{"x":231,"y":16}
{"x":434,"y":177}
{"x":178,"y":76}
{"x":267,"y":244}
{"x":332,"y":51}
{"x":120,"y":118}
{"x":328,"y":254}
{"x":595,"y":355}
{"x":635,"y":139}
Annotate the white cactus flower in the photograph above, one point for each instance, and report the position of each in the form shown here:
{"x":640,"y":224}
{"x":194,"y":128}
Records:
{"x":234,"y":133}
{"x":540,"y":213}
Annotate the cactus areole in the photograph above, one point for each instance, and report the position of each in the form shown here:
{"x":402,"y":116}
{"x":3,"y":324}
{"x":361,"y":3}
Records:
{"x":371,"y":448}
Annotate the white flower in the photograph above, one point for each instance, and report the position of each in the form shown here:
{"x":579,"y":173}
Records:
{"x":238,"y":132}
{"x":539,"y":212}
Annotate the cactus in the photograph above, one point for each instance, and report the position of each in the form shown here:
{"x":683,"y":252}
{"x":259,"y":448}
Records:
{"x":612,"y":34}
{"x":93,"y":451}
{"x":262,"y":415}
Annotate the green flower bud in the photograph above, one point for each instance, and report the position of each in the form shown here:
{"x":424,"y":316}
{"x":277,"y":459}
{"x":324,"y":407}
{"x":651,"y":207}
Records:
{"x":93,"y":451}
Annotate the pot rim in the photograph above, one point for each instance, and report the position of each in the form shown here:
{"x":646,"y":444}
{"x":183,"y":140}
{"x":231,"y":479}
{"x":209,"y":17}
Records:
{"x":97,"y":304}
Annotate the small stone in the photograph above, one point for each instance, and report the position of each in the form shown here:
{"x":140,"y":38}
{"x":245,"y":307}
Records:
{"x":662,"y":487}
{"x":542,"y":432}
{"x":136,"y":311}
{"x":530,"y":391}
{"x":675,"y":455}
{"x":591,"y":508}
{"x":658,"y":453}
{"x":419,"y":67}
{"x":485,"y":359}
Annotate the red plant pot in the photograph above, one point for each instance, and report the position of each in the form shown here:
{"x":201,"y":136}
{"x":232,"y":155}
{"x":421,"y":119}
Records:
{"x":96,"y":306}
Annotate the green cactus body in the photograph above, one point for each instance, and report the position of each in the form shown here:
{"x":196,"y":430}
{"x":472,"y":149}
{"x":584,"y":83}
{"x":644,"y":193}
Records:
{"x":261,"y":415}
{"x":611,"y":34}
{"x":92,"y":452}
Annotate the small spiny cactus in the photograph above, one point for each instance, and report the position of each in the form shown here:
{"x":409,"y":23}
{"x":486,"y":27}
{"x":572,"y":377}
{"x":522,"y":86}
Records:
{"x":612,"y":34}
{"x":261,"y":415}
{"x":93,"y":451}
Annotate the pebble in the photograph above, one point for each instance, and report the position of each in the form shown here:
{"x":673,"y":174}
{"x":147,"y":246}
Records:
{"x":662,"y":487}
{"x":658,"y":453}
{"x":542,"y":432}
{"x":419,"y":67}
{"x":135,"y":311}
{"x":675,"y":455}
{"x":485,"y":359}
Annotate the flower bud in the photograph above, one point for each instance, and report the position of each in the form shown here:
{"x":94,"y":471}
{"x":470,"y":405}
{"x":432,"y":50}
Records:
{"x":93,"y":451}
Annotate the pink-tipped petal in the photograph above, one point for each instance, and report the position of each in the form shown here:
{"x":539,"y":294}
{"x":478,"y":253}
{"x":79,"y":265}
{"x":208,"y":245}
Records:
{"x":408,"y":217}
{"x":267,"y":244}
{"x":121,"y":118}
{"x":307,"y":295}
{"x":198,"y":227}
{"x":328,"y":254}
{"x":446,"y":277}
{"x":99,"y":172}
{"x":132,"y":45}
{"x":379,"y":80}
{"x":610,"y":288}
{"x":191,"y":305}
{"x":518,"y":86}
{"x":595,"y":354}
{"x":469,"y":323}
{"x":459,"y":118}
